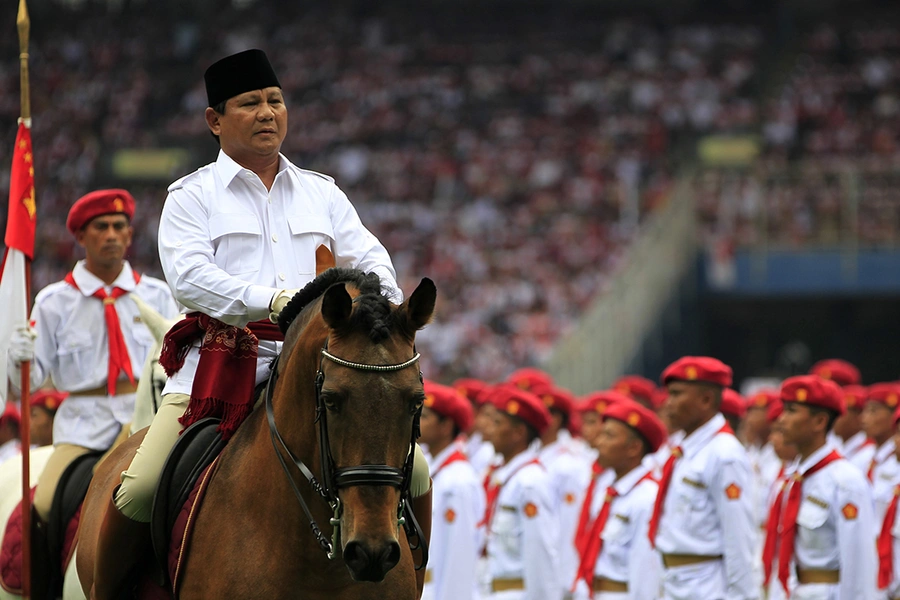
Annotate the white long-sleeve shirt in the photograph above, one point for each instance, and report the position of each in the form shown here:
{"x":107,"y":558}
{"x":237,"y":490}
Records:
{"x":227,"y":244}
{"x":836,"y":526}
{"x":456,"y":540}
{"x":707,"y":510}
{"x":885,"y":475}
{"x":523,"y":535}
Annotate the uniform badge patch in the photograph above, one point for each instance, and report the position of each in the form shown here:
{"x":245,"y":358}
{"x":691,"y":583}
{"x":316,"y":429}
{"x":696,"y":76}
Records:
{"x":570,"y":498}
{"x":449,"y":516}
{"x":850,"y":511}
{"x":531,"y":510}
{"x":733,"y":491}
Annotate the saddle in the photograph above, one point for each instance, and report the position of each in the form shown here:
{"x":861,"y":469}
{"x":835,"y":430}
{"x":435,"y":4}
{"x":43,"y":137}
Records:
{"x":180,"y":489}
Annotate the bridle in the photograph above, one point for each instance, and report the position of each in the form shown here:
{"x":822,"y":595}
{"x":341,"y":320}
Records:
{"x":335,"y":479}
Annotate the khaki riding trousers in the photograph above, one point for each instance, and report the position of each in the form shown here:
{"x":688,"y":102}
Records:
{"x":134,"y":498}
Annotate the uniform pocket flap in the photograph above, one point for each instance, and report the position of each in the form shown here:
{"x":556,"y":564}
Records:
{"x":232,"y":223}
{"x":310,"y":223}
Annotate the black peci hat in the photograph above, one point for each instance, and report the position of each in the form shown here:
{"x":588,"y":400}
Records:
{"x":239,"y":73}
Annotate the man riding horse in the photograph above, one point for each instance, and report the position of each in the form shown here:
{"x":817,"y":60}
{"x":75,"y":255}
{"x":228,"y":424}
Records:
{"x":237,"y":239}
{"x":88,"y":340}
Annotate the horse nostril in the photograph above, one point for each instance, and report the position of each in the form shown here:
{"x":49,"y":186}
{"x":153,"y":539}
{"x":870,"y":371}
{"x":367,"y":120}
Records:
{"x":390,"y":556}
{"x":356,"y":557}
{"x":368,"y":565}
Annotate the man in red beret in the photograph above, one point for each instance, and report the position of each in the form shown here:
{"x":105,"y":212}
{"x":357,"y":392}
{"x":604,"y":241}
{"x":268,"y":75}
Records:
{"x":237,"y":239}
{"x":569,"y":470}
{"x":764,"y":462}
{"x":847,"y":435}
{"x":457,"y":498}
{"x":87,"y":337}
{"x":44,"y":404}
{"x":10,"y":446}
{"x":733,"y":408}
{"x":702,"y":521}
{"x":591,"y":408}
{"x":877,"y":421}
{"x":819,"y":532}
{"x":478,"y":449}
{"x":521,"y":520}
{"x":615,"y":555}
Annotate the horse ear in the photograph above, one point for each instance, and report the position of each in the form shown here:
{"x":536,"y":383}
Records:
{"x":336,"y":306}
{"x":420,"y":305}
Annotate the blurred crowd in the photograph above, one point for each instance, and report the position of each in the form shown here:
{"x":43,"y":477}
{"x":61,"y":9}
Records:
{"x":511,"y":163}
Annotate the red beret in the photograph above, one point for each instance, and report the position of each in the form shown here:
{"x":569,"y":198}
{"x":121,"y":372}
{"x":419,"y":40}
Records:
{"x":10,"y":414}
{"x":636,"y":386}
{"x":599,"y":401}
{"x":733,"y":404}
{"x":95,"y":204}
{"x":528,"y":377}
{"x":48,"y":399}
{"x":839,"y":371}
{"x":855,"y":396}
{"x":698,"y":368}
{"x":470,"y":388}
{"x":522,"y":404}
{"x":555,"y":398}
{"x":641,"y":419}
{"x":449,"y":403}
{"x":887,"y":394}
{"x":812,"y":390}
{"x":774,"y":411}
{"x":764,"y":398}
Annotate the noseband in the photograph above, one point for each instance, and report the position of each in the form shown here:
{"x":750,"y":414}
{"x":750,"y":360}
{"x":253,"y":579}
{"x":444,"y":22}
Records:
{"x":335,"y":479}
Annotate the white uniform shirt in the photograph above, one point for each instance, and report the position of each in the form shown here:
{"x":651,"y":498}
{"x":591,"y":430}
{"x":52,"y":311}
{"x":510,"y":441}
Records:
{"x":227,"y":244}
{"x":72,"y":349}
{"x":627,"y":555}
{"x":707,"y":510}
{"x":858,"y":449}
{"x":523,"y":537}
{"x":765,"y":465}
{"x":836,"y":528}
{"x":885,"y":475}
{"x":458,"y":507}
{"x":570,"y":477}
{"x":9,"y":450}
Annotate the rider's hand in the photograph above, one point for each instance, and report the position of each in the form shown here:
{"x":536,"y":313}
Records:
{"x":278,"y":302}
{"x":21,"y":344}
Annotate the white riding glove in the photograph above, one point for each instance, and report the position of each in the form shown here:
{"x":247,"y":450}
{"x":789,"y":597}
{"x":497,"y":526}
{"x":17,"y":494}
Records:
{"x":21,"y":344}
{"x":278,"y":302}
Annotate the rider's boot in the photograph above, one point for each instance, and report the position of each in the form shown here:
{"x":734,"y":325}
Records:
{"x":421,"y":507}
{"x":119,"y":549}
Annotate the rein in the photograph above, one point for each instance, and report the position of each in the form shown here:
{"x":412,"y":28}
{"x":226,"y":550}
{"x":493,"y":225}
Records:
{"x":334,"y":479}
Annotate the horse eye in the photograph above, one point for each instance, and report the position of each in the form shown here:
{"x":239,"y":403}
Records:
{"x":417,"y":404}
{"x":329,"y":403}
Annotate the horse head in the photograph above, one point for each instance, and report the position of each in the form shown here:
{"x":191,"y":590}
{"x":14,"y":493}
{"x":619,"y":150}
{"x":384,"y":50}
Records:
{"x":368,"y":394}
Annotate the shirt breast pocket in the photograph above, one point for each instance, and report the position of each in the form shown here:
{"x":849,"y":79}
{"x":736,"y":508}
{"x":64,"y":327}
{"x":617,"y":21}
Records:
{"x":811,"y":516}
{"x":76,"y":353}
{"x":694,"y":505}
{"x":308,"y":232}
{"x":238,"y":242}
{"x":506,"y":531}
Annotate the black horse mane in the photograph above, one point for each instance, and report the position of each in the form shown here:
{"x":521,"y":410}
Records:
{"x":373,"y":309}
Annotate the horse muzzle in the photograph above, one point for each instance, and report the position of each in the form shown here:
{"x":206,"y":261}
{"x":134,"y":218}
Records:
{"x":371,"y":562}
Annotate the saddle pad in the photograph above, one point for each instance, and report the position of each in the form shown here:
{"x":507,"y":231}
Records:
{"x":184,"y":523}
{"x":11,"y":552}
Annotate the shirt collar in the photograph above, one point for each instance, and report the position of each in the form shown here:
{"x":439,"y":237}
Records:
{"x":814,"y":458}
{"x":885,"y":450}
{"x":228,"y":168}
{"x":695,"y":442}
{"x":505,"y":472}
{"x":88,"y":283}
{"x":444,"y":454}
{"x":630,"y":480}
{"x":856,"y":441}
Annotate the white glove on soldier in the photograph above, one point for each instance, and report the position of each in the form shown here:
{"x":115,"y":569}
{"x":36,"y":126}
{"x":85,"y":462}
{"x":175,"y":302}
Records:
{"x":21,"y":344}
{"x":278,"y":302}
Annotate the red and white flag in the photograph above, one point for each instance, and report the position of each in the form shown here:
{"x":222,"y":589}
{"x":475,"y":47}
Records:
{"x":19,"y":242}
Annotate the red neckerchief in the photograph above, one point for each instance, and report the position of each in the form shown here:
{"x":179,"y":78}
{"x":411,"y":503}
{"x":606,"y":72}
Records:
{"x":582,"y":531}
{"x":789,"y":526}
{"x":593,"y":544}
{"x":456,"y":456}
{"x":664,"y":482}
{"x":226,"y":372}
{"x":118,"y":350}
{"x":886,"y":543}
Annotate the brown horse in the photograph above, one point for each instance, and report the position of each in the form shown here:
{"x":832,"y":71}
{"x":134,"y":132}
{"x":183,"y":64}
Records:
{"x":344,"y":402}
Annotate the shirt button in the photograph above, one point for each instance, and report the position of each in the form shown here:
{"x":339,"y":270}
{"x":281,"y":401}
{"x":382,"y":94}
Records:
{"x":274,"y":238}
{"x":281,"y":276}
